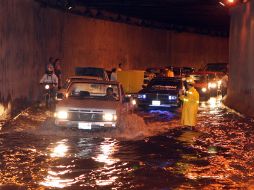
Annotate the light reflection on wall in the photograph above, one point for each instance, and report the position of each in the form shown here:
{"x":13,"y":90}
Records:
{"x":5,"y":111}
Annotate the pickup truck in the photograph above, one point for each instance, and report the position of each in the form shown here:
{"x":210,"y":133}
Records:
{"x":92,"y":104}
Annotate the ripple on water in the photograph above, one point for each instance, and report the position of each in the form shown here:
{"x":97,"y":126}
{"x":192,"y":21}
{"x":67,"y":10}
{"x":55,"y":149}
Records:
{"x":149,"y":151}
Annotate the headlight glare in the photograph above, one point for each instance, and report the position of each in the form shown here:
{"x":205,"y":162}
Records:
{"x":219,"y":82}
{"x":172,"y":97}
{"x":142,"y":96}
{"x":108,"y":117}
{"x":203,"y":89}
{"x":212,"y":85}
{"x":61,"y":115}
{"x":46,"y":86}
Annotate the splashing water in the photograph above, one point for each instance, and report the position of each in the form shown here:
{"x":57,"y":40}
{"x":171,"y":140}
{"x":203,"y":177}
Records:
{"x":133,"y":126}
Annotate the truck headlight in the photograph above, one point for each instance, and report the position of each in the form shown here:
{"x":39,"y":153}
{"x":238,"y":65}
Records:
{"x":61,"y":115}
{"x":203,"y":89}
{"x":109,"y":117}
{"x":212,"y":85}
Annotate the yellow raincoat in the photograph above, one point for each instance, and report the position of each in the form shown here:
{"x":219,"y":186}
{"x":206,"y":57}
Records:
{"x":190,"y":107}
{"x":170,"y":73}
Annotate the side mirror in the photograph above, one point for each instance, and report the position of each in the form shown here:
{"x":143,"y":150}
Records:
{"x":60,"y":96}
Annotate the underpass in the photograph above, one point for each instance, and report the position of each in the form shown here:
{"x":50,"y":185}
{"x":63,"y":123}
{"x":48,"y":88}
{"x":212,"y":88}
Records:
{"x":148,"y":149}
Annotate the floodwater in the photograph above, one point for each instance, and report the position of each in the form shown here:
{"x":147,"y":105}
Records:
{"x":150,"y":151}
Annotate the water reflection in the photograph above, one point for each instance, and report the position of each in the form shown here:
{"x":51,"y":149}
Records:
{"x":53,"y":179}
{"x":107,"y":148}
{"x":212,"y":103}
{"x":216,"y":154}
{"x":105,"y":155}
{"x":60,"y":150}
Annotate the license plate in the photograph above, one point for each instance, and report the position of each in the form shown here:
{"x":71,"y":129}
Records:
{"x":85,"y":126}
{"x":156,"y":103}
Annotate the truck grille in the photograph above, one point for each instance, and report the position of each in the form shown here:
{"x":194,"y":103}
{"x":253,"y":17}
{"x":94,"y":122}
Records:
{"x":81,"y":116}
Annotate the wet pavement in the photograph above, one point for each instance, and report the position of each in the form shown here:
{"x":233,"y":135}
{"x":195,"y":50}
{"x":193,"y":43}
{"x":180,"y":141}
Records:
{"x":150,"y":151}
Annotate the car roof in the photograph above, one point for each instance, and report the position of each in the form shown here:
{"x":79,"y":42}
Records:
{"x":85,"y":77}
{"x":167,"y":79}
{"x":203,"y":73}
{"x":96,"y":81}
{"x":91,"y":68}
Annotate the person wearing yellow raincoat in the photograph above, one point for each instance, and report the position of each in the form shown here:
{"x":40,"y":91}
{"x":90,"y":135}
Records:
{"x":190,"y":104}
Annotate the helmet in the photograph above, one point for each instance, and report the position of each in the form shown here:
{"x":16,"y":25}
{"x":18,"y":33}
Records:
{"x":50,"y":69}
{"x":190,"y":80}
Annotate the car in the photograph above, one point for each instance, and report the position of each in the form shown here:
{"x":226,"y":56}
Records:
{"x":182,"y":71}
{"x":187,"y":70}
{"x":99,"y":73}
{"x":220,"y":68}
{"x":88,"y":106}
{"x":161,"y":92}
{"x":206,"y":83}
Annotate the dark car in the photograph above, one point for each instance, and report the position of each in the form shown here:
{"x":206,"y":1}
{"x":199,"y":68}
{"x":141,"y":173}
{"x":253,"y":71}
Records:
{"x":187,"y":70}
{"x":161,"y":93}
{"x":217,"y":67}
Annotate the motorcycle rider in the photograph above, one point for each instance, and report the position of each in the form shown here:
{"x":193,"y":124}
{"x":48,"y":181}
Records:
{"x":49,"y":77}
{"x":50,"y":81}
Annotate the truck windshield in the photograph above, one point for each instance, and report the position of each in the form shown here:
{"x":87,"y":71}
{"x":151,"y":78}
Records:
{"x":94,"y":90}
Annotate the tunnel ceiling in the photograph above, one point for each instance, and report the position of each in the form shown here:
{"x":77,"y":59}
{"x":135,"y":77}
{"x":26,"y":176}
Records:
{"x":205,"y":16}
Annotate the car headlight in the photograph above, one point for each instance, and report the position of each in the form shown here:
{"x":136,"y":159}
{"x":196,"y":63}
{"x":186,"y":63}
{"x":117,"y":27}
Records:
{"x":172,"y":97}
{"x":61,"y":114}
{"x":212,"y":85}
{"x":203,"y":89}
{"x":46,"y":86}
{"x":134,"y":102}
{"x":109,"y":117}
{"x":142,"y":96}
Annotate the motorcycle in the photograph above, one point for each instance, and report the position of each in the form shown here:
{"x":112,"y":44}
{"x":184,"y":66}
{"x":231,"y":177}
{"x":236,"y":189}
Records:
{"x":50,"y":91}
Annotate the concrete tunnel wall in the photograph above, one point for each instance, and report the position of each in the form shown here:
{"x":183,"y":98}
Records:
{"x":30,"y":34}
{"x":241,"y":59}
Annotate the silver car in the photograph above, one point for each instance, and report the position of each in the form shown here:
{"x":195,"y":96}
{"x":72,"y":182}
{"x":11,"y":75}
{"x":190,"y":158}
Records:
{"x":92,"y":104}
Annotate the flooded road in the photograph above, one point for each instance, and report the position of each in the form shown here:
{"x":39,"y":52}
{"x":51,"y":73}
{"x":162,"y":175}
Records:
{"x":151,"y":151}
